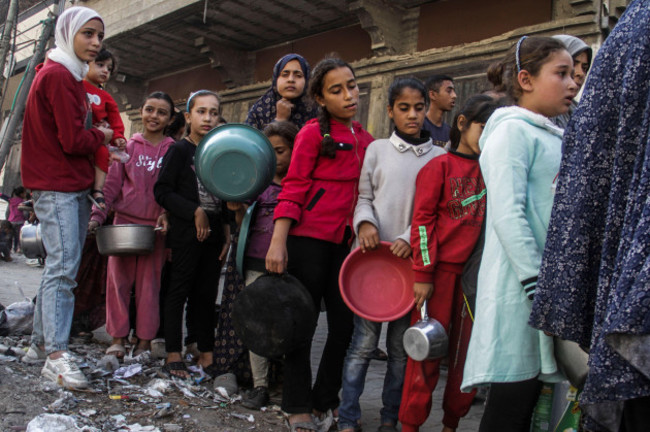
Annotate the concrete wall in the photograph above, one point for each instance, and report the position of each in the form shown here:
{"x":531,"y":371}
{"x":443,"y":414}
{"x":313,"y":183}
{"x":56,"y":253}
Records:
{"x":462,"y":21}
{"x":121,"y":16}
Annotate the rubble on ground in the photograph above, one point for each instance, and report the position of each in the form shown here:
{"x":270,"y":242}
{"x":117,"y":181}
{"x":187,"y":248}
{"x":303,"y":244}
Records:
{"x":135,"y":396}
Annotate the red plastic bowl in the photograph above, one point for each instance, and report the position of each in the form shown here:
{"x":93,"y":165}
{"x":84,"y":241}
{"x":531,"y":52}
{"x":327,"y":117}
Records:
{"x":377,"y":285}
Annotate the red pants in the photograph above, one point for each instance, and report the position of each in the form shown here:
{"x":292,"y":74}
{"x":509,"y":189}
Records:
{"x":143,"y":272}
{"x":446,"y":305}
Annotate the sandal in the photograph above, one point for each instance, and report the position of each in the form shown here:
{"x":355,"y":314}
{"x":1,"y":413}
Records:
{"x":116,"y":350}
{"x":98,"y":201}
{"x":177,"y":366}
{"x":304,"y":425}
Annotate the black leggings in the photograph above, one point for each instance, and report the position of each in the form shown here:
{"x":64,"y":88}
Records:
{"x":194,"y":278}
{"x":509,"y":406}
{"x":316,"y":263}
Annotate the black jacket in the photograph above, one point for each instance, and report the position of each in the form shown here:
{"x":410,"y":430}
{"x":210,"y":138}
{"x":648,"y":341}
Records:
{"x":177,"y":192}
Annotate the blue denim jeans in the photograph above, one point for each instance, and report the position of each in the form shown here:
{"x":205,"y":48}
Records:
{"x":64,"y":220}
{"x":364,"y":341}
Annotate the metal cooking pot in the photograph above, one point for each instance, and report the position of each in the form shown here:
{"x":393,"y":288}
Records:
{"x":31,"y":241}
{"x":128,"y":239}
{"x":426,"y":339}
{"x":235,"y":162}
{"x":572,"y":361}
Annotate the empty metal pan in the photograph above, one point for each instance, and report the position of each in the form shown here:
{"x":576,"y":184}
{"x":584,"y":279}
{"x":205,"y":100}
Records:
{"x":127,"y":239}
{"x":426,"y":339}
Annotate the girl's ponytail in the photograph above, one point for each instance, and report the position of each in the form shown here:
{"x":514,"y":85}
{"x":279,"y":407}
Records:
{"x":477,"y":109}
{"x":495,"y":76}
{"x":328,"y":146}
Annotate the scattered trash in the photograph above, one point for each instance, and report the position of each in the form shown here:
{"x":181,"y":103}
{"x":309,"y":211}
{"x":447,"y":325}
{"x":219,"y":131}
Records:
{"x":11,"y":351}
{"x":66,"y":402}
{"x":164,"y":410}
{"x":128,"y":371}
{"x":109,"y":363}
{"x":120,"y":397}
{"x":171,"y":427}
{"x":136,"y":427}
{"x":56,"y":423}
{"x":159,"y":385}
{"x":249,"y":417}
{"x":326,"y":422}
{"x":49,"y":386}
{"x":88,"y":412}
{"x":17,"y":318}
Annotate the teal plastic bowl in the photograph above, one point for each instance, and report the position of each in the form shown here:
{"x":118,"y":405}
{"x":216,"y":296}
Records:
{"x":235,"y":162}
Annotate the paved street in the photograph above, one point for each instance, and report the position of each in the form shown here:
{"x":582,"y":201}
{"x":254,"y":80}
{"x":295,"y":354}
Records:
{"x":29,"y":278}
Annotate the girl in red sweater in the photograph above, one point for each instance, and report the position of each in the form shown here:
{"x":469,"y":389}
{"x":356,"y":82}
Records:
{"x":447,"y":218}
{"x":312,"y":232}
{"x":56,"y":166}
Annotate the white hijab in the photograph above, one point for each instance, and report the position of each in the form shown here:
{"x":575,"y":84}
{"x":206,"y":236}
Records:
{"x":67,"y":26}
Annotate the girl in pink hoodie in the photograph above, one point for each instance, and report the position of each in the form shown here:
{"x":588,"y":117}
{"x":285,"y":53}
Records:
{"x":129,"y":191}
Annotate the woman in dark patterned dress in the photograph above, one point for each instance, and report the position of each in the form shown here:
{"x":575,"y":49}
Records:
{"x":594,"y":284}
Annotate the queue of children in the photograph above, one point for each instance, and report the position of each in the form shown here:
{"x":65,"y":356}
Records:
{"x":335,"y":186}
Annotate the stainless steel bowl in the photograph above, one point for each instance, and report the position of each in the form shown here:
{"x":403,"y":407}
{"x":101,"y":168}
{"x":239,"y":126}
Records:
{"x":121,"y":240}
{"x":31,"y":241}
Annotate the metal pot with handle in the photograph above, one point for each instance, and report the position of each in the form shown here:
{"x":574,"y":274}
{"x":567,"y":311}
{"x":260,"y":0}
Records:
{"x":126,"y":240}
{"x":31,"y":241}
{"x":426,"y":339}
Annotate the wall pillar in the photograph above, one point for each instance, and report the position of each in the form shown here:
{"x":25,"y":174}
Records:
{"x":378,"y":123}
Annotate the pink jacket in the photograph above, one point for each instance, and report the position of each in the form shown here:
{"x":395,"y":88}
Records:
{"x":320,"y":193}
{"x":129,"y":186}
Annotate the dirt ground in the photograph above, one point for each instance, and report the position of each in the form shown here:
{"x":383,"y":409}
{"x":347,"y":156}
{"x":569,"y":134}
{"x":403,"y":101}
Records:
{"x":146,"y":401}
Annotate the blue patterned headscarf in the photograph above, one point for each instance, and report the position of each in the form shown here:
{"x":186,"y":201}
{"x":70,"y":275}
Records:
{"x":263,"y":111}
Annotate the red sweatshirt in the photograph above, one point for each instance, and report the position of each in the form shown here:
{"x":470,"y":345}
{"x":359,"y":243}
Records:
{"x":104,"y":108}
{"x":56,"y":145}
{"x":320,"y":193}
{"x":448,"y":213}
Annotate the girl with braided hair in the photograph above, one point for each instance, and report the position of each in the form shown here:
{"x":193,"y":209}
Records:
{"x":312,"y":232}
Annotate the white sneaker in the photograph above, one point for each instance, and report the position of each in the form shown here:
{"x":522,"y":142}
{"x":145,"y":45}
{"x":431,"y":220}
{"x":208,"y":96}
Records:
{"x":34,"y":355}
{"x":65,"y":372}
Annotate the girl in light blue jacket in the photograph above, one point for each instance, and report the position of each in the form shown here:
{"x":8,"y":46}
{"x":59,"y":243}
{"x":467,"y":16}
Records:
{"x":520,"y":159}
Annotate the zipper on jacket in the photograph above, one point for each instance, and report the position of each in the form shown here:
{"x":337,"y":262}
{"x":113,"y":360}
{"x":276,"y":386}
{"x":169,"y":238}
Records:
{"x":356,"y":183}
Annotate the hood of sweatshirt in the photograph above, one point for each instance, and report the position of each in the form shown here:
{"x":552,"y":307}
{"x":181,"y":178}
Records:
{"x":518,"y":113}
{"x":575,"y":46}
{"x":129,"y":186}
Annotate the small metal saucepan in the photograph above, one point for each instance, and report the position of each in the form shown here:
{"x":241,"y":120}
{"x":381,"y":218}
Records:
{"x":426,"y":339}
{"x":127,"y":239}
{"x":31,"y":241}
{"x":572,"y":361}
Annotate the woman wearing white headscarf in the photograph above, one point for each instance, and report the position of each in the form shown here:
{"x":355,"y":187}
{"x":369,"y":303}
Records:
{"x":55,"y":164}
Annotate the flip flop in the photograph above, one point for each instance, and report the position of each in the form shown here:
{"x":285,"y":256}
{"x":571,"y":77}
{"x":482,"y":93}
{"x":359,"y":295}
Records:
{"x":308,"y":425}
{"x":169,"y":368}
{"x":117,"y":350}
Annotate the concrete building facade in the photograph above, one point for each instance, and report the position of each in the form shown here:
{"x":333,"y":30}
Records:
{"x":230,"y":46}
